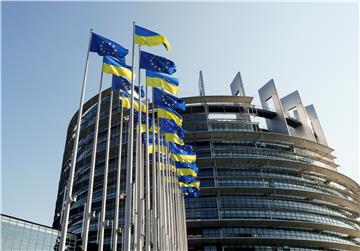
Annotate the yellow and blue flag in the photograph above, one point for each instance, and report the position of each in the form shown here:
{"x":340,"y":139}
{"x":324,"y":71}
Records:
{"x":164,"y":99}
{"x":172,"y":137}
{"x":186,"y":172}
{"x":126,"y":102}
{"x":164,"y":82}
{"x":156,"y":63}
{"x":170,"y":114}
{"x":183,"y":157}
{"x":113,"y":66}
{"x":187,"y":165}
{"x":195,"y":183}
{"x":106,"y":47}
{"x":150,"y":38}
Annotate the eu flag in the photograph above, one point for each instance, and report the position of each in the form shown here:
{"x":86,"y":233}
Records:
{"x":162,"y":98}
{"x":178,"y":149}
{"x":168,"y":126}
{"x":121,"y":83}
{"x":156,"y":63}
{"x":106,"y":47}
{"x":187,"y":179}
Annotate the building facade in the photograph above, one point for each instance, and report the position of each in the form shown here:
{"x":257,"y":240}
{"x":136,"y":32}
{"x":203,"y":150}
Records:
{"x":21,"y":235}
{"x":266,"y":189}
{"x":261,"y":189}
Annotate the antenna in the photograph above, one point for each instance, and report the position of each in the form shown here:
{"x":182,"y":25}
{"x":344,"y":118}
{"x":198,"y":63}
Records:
{"x":201,"y":85}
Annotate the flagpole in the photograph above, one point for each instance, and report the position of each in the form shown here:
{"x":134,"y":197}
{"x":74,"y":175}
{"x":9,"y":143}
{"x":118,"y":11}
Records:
{"x":106,"y":173}
{"x":87,"y":217}
{"x":155,"y":236}
{"x":118,"y":187}
{"x":147,"y":170}
{"x":69,"y":197}
{"x":160,"y":206}
{"x":129,"y":171}
{"x":139,"y":175}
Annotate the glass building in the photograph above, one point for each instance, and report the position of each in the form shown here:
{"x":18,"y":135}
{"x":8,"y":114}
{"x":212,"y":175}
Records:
{"x":263,"y":187}
{"x":271,"y":188}
{"x":21,"y":235}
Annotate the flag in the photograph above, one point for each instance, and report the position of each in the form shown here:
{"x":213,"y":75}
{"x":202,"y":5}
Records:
{"x":195,"y":183}
{"x":163,"y":99}
{"x":183,"y":157}
{"x":150,"y":38}
{"x":180,"y":149}
{"x":106,"y":47}
{"x":187,"y":179}
{"x":170,"y":114}
{"x":186,"y":172}
{"x":167,"y":83}
{"x":121,"y":83}
{"x":126,"y":102}
{"x":187,"y":165}
{"x":156,"y":63}
{"x":172,"y":137}
{"x":154,"y":129}
{"x":169,"y":126}
{"x":191,"y":192}
{"x":113,"y":66}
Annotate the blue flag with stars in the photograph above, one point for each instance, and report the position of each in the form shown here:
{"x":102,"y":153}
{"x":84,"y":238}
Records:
{"x":156,"y":63}
{"x":164,"y":99}
{"x":106,"y":47}
{"x":121,"y":83}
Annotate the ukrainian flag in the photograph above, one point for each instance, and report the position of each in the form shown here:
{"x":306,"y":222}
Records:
{"x":186,"y":172}
{"x":162,"y":149}
{"x":150,"y":38}
{"x":126,"y":102}
{"x":154,"y":129}
{"x":191,"y":165}
{"x":164,"y":82}
{"x":113,"y":66}
{"x":183,"y":157}
{"x":195,"y":184}
{"x":172,"y":137}
{"x":168,"y":113}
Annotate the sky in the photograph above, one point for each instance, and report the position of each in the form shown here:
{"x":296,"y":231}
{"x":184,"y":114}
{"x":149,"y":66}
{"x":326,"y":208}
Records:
{"x":309,"y":47}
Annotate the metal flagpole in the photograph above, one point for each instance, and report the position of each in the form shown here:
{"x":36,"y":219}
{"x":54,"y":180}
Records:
{"x":155,"y":224}
{"x":161,"y":233}
{"x":106,"y":171}
{"x":92,"y":172}
{"x":139,"y":181}
{"x":184,"y":221}
{"x":147,"y":170}
{"x":129,"y":171}
{"x":165,"y":202}
{"x":118,"y":187}
{"x":69,"y":197}
{"x":136,"y":191}
{"x":167,"y":193}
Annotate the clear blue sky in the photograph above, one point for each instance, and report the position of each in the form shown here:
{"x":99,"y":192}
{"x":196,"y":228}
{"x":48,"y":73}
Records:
{"x":310,"y":47}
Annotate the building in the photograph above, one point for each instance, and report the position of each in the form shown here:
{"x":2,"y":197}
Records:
{"x":81,"y":180}
{"x":266,"y":189}
{"x":261,"y":189}
{"x":19,"y":235}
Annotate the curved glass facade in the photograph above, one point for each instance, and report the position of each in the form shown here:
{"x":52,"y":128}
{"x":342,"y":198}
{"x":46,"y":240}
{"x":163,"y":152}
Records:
{"x":263,"y":192}
{"x":259,"y":190}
